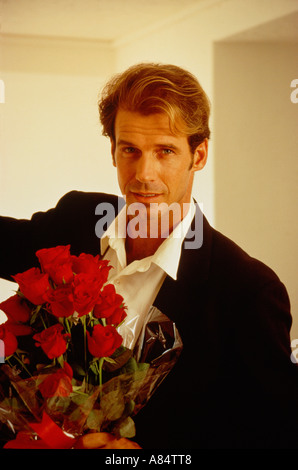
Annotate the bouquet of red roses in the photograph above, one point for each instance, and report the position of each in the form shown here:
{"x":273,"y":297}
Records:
{"x":66,"y":371}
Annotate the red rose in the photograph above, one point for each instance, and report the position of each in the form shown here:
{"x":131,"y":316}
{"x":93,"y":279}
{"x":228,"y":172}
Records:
{"x":108,"y":306}
{"x":52,"y":341}
{"x":117,"y":317}
{"x":104,"y":341}
{"x":61,"y":301}
{"x":92,"y":265}
{"x":9,"y":340}
{"x":57,"y":384}
{"x":86,"y":291}
{"x":57,"y":263}
{"x":16,"y":309}
{"x":18,"y":329}
{"x":33,"y":284}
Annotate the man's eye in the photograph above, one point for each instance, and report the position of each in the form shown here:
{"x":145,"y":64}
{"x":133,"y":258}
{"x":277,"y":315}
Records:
{"x":167,"y":151}
{"x":129,"y":150}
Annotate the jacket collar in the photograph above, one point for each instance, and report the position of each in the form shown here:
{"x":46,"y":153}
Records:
{"x":193,"y":272}
{"x":196,"y":252}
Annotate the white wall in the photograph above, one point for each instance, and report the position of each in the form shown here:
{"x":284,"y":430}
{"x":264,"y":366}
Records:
{"x":256,"y":164}
{"x":50,"y":134}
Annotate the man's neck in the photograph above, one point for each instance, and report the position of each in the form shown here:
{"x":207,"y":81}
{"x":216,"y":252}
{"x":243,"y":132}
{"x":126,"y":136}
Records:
{"x":139,"y":248}
{"x":143,"y":243}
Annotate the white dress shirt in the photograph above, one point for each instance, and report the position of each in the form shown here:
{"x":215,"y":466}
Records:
{"x":140,"y":281}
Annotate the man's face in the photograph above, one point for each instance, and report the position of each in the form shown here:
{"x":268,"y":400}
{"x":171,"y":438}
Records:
{"x":153,"y":164}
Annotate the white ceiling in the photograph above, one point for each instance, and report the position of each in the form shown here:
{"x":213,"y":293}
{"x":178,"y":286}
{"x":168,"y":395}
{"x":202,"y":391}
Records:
{"x":106,"y":20}
{"x":112,"y":20}
{"x":283,"y":29}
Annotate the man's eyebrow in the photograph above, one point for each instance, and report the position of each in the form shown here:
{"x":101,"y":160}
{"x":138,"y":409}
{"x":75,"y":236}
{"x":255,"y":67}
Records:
{"x":125,"y":142}
{"x":168,"y":145}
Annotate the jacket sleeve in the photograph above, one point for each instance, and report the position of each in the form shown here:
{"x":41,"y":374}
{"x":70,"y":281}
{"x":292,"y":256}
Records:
{"x":264,"y":347}
{"x":72,"y":222}
{"x":19,"y":241}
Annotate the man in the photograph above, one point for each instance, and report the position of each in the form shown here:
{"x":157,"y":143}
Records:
{"x":234,"y":385}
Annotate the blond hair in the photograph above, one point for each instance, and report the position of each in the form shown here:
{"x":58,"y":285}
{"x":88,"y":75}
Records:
{"x":150,"y":88}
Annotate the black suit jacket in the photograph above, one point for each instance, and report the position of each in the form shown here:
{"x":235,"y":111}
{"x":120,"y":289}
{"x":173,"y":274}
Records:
{"x":234,"y":385}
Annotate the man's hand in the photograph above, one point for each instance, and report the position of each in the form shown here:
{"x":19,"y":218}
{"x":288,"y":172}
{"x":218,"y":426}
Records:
{"x":104,"y":440}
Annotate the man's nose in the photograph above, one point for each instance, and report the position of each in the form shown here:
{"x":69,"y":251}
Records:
{"x":146,"y":168}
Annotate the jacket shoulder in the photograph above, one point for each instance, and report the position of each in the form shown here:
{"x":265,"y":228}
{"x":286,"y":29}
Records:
{"x":82,"y":199}
{"x":230,"y":261}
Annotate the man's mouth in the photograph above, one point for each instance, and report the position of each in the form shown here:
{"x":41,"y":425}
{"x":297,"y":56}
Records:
{"x":147,"y":194}
{"x":145,"y":198}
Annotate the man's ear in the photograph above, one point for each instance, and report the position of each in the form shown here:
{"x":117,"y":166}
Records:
{"x":113,"y":148}
{"x":200,"y":156}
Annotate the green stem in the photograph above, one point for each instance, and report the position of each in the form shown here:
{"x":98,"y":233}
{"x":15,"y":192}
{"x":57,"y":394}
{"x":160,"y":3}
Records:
{"x":85,"y":342}
{"x":22,"y":364}
{"x":87,"y":382}
{"x":99,"y":366}
{"x":82,"y":393}
{"x":8,"y":361}
{"x":67,"y":326}
{"x":43,"y":322}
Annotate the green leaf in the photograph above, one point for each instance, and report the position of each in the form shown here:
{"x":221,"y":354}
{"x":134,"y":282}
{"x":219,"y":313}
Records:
{"x":79,"y":389}
{"x":58,"y":404}
{"x":21,"y":351}
{"x":112,"y":405}
{"x":143,"y":366}
{"x":129,"y":407}
{"x":34,"y":314}
{"x":78,"y":369}
{"x":120,"y":357}
{"x":95,"y":419}
{"x":93,"y":367}
{"x":60,"y":361}
{"x":133,"y":366}
{"x":20,"y":294}
{"x":12,"y":405}
{"x":76,"y":415}
{"x":110,"y":360}
{"x":78,"y":398}
{"x":125,"y":428}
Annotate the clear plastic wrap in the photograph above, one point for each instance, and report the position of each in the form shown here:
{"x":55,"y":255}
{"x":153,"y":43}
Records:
{"x":130,"y":381}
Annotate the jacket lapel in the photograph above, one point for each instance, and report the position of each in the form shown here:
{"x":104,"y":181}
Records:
{"x":192,"y":274}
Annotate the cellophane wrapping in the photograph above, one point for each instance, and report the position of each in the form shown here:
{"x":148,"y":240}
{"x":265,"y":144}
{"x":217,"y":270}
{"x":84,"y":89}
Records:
{"x":129,"y":382}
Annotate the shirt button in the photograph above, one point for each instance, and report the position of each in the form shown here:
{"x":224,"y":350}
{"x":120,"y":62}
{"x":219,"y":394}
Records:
{"x":117,"y":282}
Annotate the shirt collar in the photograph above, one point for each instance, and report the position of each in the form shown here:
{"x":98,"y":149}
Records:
{"x":115,"y":234}
{"x":167,"y":256}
